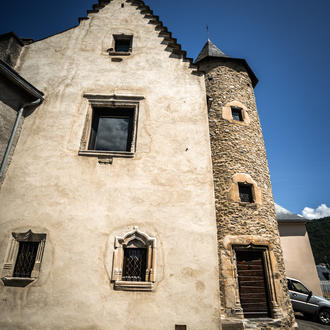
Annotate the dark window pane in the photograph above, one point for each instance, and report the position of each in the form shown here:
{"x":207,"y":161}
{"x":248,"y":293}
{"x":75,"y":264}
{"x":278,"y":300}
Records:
{"x":122,"y":45}
{"x":237,"y":114}
{"x":26,"y":257}
{"x":245,"y":192}
{"x":112,"y":129}
{"x":134,"y":264}
{"x":112,"y":134}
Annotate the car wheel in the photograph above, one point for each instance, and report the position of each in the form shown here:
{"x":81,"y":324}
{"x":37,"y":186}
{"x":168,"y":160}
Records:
{"x":324,"y":316}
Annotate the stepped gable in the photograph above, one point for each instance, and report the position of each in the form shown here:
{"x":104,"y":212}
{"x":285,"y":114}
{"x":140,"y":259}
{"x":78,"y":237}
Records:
{"x":153,"y":19}
{"x":210,"y":50}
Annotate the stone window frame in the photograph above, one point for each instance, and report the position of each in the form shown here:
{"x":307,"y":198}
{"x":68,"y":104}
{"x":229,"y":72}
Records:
{"x":112,"y":50}
{"x":11,"y":257}
{"x":228,"y":258}
{"x":227,"y":113}
{"x":243,"y":178}
{"x":109,"y":101}
{"x":118,"y":257}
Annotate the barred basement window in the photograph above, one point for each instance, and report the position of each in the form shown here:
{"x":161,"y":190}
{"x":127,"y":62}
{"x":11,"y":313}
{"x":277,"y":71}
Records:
{"x":245,"y":192}
{"x":134,"y":262}
{"x":236,"y":113}
{"x":23,"y":258}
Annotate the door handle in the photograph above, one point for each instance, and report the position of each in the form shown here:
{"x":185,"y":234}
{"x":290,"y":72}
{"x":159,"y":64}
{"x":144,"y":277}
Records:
{"x":294,"y":294}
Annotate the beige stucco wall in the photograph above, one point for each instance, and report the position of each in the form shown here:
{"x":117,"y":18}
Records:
{"x":298,"y":256}
{"x":166,"y":190}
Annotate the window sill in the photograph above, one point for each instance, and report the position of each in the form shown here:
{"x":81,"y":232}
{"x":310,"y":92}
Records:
{"x":248,"y":204}
{"x":17,"y":281}
{"x":239,"y":122}
{"x":98,"y":153}
{"x":119,"y":53}
{"x":133,"y":286}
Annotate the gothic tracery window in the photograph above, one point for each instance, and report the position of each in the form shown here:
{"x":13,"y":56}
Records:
{"x":134,"y":261}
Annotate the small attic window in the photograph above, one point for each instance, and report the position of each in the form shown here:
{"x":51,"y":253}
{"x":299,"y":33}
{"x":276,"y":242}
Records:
{"x":123,"y":43}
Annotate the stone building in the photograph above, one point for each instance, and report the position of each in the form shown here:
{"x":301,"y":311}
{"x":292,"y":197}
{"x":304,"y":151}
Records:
{"x":138,"y":194}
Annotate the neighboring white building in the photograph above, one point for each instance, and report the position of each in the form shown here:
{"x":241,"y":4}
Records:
{"x":297,"y":252}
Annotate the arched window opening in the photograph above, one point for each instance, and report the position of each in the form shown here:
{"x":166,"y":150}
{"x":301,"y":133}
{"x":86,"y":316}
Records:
{"x":134,"y":261}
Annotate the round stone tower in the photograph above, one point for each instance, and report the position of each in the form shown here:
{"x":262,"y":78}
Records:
{"x":252,"y":275}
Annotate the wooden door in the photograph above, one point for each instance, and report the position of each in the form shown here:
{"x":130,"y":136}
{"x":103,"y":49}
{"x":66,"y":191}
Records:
{"x":252,"y":283}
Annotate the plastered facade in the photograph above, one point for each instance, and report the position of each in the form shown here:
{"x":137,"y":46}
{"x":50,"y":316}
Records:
{"x":298,"y":255}
{"x":166,"y":190}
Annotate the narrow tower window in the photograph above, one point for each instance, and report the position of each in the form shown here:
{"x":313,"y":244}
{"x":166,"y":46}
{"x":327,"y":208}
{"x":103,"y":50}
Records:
{"x":236,"y":113}
{"x":245,"y":192}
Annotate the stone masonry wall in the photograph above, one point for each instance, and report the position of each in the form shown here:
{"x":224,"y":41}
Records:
{"x":238,"y":148}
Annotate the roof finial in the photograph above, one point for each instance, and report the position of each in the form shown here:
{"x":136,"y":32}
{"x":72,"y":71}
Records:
{"x":208,"y":34}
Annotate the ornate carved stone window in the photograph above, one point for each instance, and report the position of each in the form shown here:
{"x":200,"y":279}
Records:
{"x":23,"y":258}
{"x":111,"y":126}
{"x":134,"y":262}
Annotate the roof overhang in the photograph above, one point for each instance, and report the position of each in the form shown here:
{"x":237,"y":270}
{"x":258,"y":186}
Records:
{"x":288,"y":221}
{"x":19,"y":81}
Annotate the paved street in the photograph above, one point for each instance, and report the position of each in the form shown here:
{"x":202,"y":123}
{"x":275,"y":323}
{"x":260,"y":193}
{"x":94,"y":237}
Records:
{"x":308,"y":324}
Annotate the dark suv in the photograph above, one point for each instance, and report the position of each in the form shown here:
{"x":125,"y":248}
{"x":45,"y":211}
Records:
{"x":304,"y":302}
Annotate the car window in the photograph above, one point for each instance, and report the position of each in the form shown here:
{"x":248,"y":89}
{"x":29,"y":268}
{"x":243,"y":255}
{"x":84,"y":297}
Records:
{"x":298,"y":287}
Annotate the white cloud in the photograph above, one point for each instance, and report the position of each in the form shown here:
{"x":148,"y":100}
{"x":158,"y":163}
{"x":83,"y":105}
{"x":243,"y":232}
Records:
{"x":320,"y":212}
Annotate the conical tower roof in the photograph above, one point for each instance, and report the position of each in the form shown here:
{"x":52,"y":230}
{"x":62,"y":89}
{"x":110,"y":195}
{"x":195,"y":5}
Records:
{"x":210,"y":49}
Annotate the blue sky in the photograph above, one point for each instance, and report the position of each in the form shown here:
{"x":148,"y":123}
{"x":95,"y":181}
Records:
{"x":286,"y":43}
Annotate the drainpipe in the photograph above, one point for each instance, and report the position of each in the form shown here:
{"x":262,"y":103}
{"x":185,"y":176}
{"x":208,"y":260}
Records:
{"x":13,"y":133}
